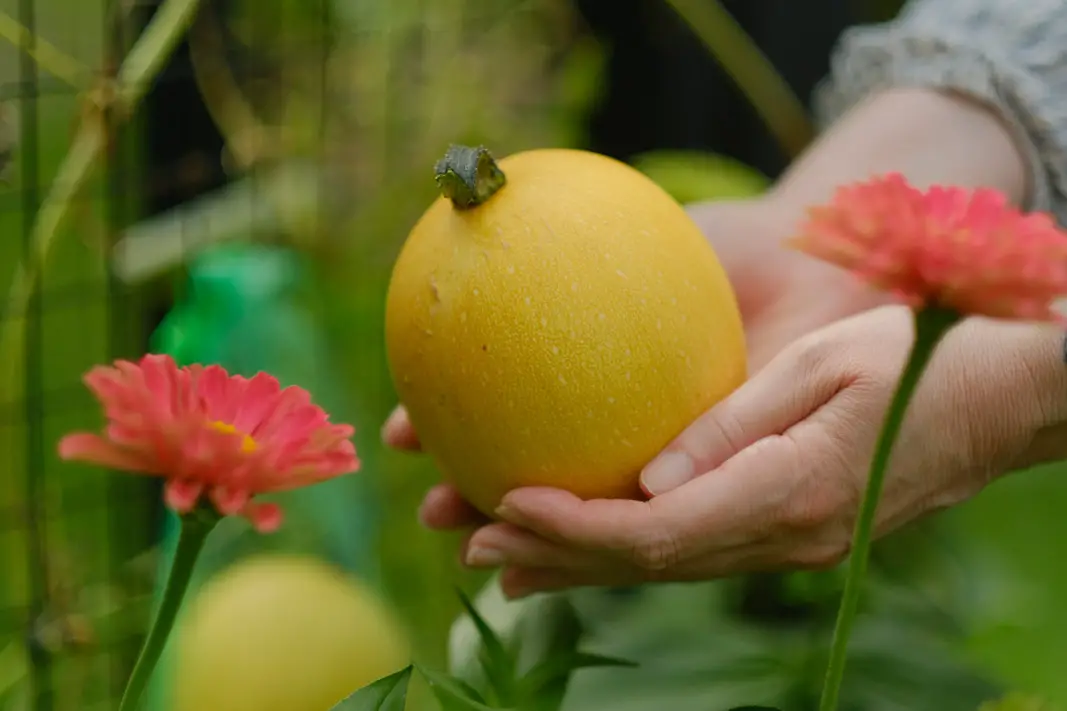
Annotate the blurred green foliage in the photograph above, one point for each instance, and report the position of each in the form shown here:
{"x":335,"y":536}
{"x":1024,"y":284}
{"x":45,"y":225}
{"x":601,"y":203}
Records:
{"x":403,"y":79}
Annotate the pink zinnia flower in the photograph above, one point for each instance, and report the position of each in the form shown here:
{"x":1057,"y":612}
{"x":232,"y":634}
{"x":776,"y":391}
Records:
{"x":211,"y":434}
{"x":969,"y":251}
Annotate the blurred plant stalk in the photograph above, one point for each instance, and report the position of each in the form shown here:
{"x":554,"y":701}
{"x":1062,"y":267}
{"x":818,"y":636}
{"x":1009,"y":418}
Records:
{"x":106,"y":101}
{"x":782,"y":112}
{"x":313,"y":172}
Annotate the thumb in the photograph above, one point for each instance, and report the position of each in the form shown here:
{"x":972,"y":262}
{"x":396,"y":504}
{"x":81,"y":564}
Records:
{"x":786,"y":391}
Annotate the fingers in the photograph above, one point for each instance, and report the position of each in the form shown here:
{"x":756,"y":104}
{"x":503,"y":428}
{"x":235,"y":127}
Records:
{"x":521,"y":579}
{"x":444,"y":509}
{"x":738,"y":504}
{"x":780,"y":395}
{"x":500,"y":544}
{"x":398,"y":433}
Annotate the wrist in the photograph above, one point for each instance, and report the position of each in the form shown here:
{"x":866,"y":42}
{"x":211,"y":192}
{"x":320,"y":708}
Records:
{"x":837,"y":289}
{"x":1013,"y":376}
{"x":1044,"y":355}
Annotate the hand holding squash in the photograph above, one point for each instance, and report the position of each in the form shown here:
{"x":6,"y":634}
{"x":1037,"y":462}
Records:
{"x":780,"y":293}
{"x":771,"y":478}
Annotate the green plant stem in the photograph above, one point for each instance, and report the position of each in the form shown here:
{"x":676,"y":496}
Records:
{"x":931,"y":324}
{"x":782,"y":112}
{"x":195,"y":528}
{"x":47,"y":56}
{"x":146,"y":58}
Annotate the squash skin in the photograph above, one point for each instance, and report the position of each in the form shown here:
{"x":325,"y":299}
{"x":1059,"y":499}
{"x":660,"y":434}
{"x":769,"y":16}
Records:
{"x":561,"y":333}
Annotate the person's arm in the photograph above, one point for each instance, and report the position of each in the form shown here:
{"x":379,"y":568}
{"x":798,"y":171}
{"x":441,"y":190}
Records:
{"x":968,"y":92}
{"x":962,"y":92}
{"x":928,"y":135}
{"x":1007,"y":382}
{"x":1040,"y":359}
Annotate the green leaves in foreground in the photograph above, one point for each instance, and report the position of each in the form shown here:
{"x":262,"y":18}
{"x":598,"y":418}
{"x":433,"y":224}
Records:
{"x":541,"y":688}
{"x":497,"y":663}
{"x":453,"y":694}
{"x":389,"y":693}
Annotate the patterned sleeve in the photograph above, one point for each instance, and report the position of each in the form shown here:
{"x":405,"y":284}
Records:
{"x":1011,"y":54}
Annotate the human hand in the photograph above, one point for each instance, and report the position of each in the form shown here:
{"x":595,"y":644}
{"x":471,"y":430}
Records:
{"x":782,"y":294}
{"x":771,"y":478}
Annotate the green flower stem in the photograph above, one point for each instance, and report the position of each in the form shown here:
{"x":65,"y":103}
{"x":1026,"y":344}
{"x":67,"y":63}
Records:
{"x":931,"y":324}
{"x":195,"y":528}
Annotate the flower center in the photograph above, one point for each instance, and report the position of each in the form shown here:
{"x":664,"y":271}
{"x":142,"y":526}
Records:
{"x":248,"y":445}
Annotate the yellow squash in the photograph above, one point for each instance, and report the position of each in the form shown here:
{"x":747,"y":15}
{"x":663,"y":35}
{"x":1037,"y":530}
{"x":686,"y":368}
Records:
{"x":556,"y":319}
{"x":282,"y":633}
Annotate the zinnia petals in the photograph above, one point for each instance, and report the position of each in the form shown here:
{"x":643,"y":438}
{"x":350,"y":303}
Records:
{"x":211,"y":434}
{"x":94,"y":449}
{"x":965,"y":250}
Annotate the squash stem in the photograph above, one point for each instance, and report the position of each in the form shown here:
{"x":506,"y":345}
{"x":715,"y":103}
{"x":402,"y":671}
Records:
{"x":468,"y":176}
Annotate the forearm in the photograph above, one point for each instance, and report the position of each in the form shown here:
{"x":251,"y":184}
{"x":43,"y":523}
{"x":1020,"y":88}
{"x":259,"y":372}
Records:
{"x":927,"y":135}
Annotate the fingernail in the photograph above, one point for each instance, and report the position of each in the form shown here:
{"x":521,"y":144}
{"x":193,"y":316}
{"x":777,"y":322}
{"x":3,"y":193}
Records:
{"x":668,"y":471}
{"x":391,"y":423}
{"x":507,"y":513}
{"x":481,"y":557}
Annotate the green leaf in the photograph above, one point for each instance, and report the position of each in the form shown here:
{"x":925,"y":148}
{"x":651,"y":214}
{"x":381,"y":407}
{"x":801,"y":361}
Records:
{"x":452,"y":694}
{"x":559,"y":631}
{"x":387,"y":694}
{"x":498,"y":663}
{"x":693,"y":176}
{"x":557,"y":668}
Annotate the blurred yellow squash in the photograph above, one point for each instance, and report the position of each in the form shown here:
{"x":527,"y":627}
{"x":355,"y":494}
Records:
{"x":282,"y":633}
{"x":556,"y":319}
